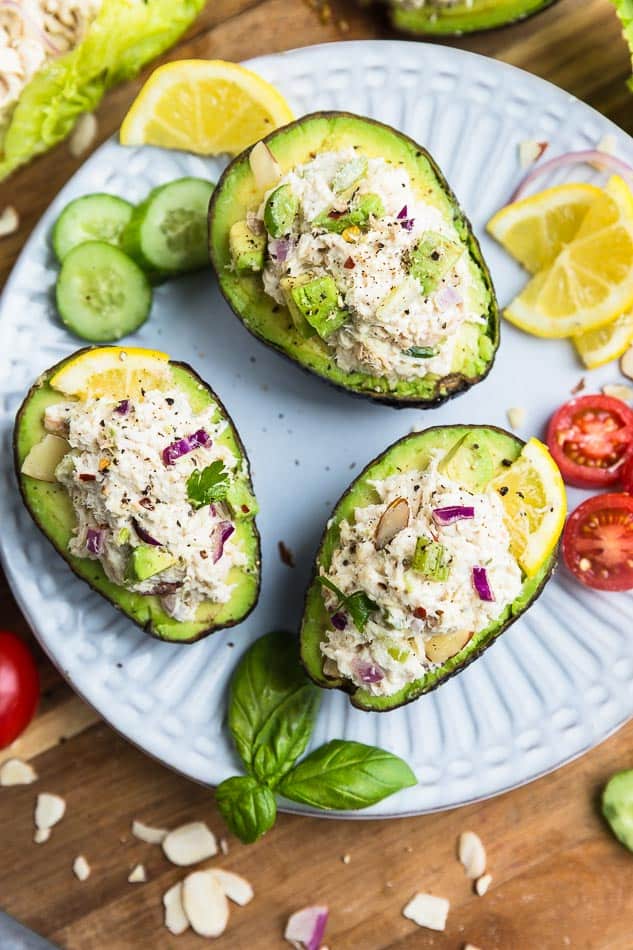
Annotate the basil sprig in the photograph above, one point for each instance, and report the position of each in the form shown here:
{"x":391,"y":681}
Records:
{"x":359,"y":605}
{"x":272,"y":713}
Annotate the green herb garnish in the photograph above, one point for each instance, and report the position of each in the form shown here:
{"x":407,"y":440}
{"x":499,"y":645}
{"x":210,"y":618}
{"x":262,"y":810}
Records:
{"x":210,"y":484}
{"x":359,"y":605}
{"x":430,"y":560}
{"x":421,"y":352}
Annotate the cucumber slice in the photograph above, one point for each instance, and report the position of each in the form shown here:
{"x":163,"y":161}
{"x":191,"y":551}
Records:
{"x":96,"y":217}
{"x":101,"y":293}
{"x":617,"y":806}
{"x":168,"y":231}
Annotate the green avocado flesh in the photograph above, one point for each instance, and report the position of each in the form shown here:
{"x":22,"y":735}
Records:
{"x":292,"y":331}
{"x":473,"y":456}
{"x":438,"y":18}
{"x":50,"y":507}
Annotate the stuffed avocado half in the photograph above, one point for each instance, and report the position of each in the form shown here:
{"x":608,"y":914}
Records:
{"x":446,"y":17}
{"x":421,"y":566}
{"x":131,"y":466}
{"x":337,"y":241}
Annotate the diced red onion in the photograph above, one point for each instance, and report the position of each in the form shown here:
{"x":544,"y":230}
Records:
{"x":144,"y":535}
{"x":213,"y":510}
{"x":122,"y":407}
{"x":448,"y":297}
{"x":339,"y":620}
{"x":368,"y":672}
{"x":220,"y":534}
{"x":280,"y":248}
{"x":405,"y":221}
{"x":402,"y":213}
{"x":453,"y":513}
{"x":307,"y":927}
{"x":482,"y":585}
{"x":191,"y":442}
{"x":603,"y":160}
{"x":94,"y":540}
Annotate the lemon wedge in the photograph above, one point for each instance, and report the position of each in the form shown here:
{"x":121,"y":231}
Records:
{"x":116,"y":371}
{"x":607,"y":343}
{"x":204,"y":106}
{"x":536,"y":229}
{"x":590,"y":282}
{"x":535,"y":505}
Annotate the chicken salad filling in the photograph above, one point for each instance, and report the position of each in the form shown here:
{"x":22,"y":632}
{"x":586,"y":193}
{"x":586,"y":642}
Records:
{"x":156,"y":495}
{"x":413,"y":577}
{"x":362,"y":260}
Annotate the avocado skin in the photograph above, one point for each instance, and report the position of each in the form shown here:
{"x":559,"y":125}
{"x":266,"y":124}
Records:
{"x":411,"y":694}
{"x":417,"y":22}
{"x":149,"y":625}
{"x":448,"y":386}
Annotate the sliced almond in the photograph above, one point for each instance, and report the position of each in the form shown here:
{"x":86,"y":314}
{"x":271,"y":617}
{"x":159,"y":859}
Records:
{"x":189,"y":844}
{"x":41,"y":835}
{"x":224,"y":846}
{"x":147,"y":833}
{"x":426,"y":910}
{"x":470,"y":946}
{"x":530,"y":151}
{"x":49,"y":810}
{"x":619,"y":391}
{"x":516,"y":417}
{"x":626,"y":363}
{"x":81,"y":868}
{"x":17,"y":772}
{"x":472,"y":854}
{"x":482,"y":884}
{"x":175,"y":917}
{"x":137,"y":875}
{"x":443,"y":647}
{"x":264,"y":166}
{"x":83,"y":135}
{"x":44,"y":457}
{"x":235,"y":887}
{"x":205,"y":904}
{"x":9,"y":221}
{"x":394,"y":518}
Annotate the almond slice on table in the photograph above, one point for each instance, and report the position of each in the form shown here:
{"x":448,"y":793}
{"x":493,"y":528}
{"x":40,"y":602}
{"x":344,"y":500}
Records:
{"x":190,"y":844}
{"x":235,"y":887}
{"x":41,"y":835}
{"x":137,"y":875}
{"x":49,"y":810}
{"x":148,"y":834}
{"x":619,"y":391}
{"x":429,"y":911}
{"x":175,"y":918}
{"x":205,"y":904}
{"x":81,"y":868}
{"x":482,"y":884}
{"x":17,"y":772}
{"x":83,"y":135}
{"x":472,"y":854}
{"x":9,"y":221}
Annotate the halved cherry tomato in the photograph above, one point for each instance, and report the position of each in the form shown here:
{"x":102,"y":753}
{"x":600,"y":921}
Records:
{"x":598,"y":542}
{"x":589,"y":438}
{"x":626,"y":473}
{"x":19,"y":687}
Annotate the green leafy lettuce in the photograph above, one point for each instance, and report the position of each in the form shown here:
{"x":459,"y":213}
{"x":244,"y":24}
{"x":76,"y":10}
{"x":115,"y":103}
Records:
{"x":625,"y":12}
{"x":124,"y":37}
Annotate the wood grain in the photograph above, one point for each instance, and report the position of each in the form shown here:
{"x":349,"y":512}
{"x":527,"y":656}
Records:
{"x":560,"y":880}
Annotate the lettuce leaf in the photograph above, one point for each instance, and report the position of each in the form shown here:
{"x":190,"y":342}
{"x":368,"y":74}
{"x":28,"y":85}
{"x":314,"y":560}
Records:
{"x":124,"y":37}
{"x":625,"y":12}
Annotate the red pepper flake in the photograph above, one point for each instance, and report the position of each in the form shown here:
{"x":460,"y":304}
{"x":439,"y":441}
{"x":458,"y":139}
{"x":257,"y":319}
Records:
{"x":580,"y":385}
{"x":286,"y":555}
{"x":245,"y":509}
{"x":335,"y":215}
{"x":87,"y":477}
{"x":420,"y":613}
{"x":146,"y":503}
{"x":349,"y":264}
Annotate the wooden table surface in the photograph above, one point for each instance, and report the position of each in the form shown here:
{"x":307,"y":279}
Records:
{"x":560,"y":880}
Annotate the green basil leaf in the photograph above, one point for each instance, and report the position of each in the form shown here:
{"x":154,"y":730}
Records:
{"x":272,"y":707}
{"x":247,"y":807}
{"x":210,"y":484}
{"x":326,"y":582}
{"x":360,"y":606}
{"x":344,"y":775}
{"x":421,"y":352}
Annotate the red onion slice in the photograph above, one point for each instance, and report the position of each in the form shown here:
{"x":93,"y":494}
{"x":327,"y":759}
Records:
{"x":279,"y":249}
{"x":482,"y":585}
{"x":307,"y":926}
{"x":219,"y":536}
{"x":94,"y":540}
{"x":122,"y":407}
{"x":453,"y":513}
{"x":587,"y":157}
{"x":189,"y":444}
{"x":368,"y":672}
{"x":144,"y":535}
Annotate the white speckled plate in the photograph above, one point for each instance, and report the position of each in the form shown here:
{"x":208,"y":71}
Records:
{"x":555,"y":684}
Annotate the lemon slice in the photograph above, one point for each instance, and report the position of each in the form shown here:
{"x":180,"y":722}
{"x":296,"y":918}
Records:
{"x":204,"y":106}
{"x":607,"y":343}
{"x":116,"y":371}
{"x":535,"y":505}
{"x":535,"y":230}
{"x":590,"y":283}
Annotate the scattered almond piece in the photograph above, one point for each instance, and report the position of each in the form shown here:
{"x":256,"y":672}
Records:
{"x":346,"y":859}
{"x":530,"y":152}
{"x":83,"y":135}
{"x":81,"y":868}
{"x":189,"y":844}
{"x":17,"y":772}
{"x":626,"y":363}
{"x":9,"y":221}
{"x":137,"y":875}
{"x":517,"y":417}
{"x":175,"y":917}
{"x":48,"y":810}
{"x":482,"y":884}
{"x":147,"y":833}
{"x":472,"y":854}
{"x":429,"y":911}
{"x":205,"y":904}
{"x":234,"y":886}
{"x":470,"y":946}
{"x":224,"y":846}
{"x":41,"y":835}
{"x":619,"y":391}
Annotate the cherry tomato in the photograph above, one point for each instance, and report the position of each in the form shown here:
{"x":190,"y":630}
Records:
{"x":19,"y":687}
{"x":589,"y":438}
{"x":598,"y":542}
{"x":626,"y":473}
